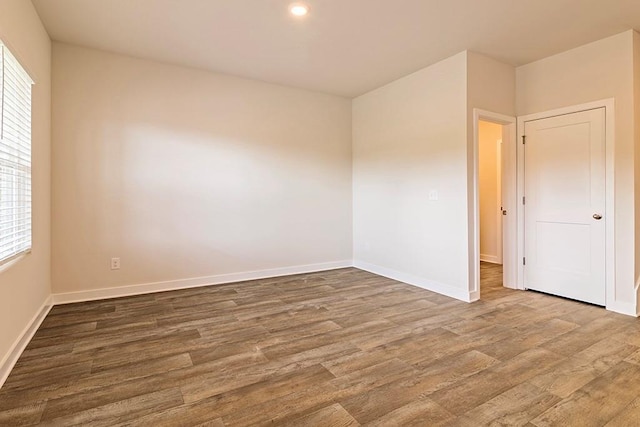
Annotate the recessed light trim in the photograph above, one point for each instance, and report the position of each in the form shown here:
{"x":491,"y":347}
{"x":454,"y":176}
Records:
{"x":299,"y":9}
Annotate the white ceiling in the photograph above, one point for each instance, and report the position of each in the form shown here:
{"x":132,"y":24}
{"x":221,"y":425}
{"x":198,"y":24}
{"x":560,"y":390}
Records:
{"x":343,"y":47}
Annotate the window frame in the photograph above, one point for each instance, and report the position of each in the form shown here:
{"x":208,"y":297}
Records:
{"x":16,"y":155}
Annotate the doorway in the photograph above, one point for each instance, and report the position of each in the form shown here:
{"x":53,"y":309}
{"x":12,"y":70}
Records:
{"x":490,"y":191}
{"x":490,"y":205}
{"x":493,"y":226}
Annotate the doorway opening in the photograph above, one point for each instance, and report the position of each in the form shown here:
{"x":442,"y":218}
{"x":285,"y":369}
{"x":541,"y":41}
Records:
{"x":491,"y":210}
{"x":493,"y":219}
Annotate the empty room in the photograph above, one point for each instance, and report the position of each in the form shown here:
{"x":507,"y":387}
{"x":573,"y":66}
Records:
{"x":319,"y":213}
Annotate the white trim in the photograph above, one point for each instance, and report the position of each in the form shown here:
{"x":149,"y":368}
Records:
{"x":6,"y":264}
{"x":15,"y":351}
{"x":612,"y":304}
{"x":410,"y":279}
{"x":499,"y":219}
{"x":637,"y":289}
{"x":623,"y":308}
{"x":509,"y":233}
{"x":147,"y":288}
{"x":493,"y":259}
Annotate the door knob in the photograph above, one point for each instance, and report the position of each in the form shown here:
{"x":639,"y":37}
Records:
{"x":597,"y":216}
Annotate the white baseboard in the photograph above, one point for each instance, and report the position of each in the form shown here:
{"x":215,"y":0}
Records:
{"x":147,"y":288}
{"x":623,"y":308}
{"x":628,"y":308}
{"x":15,"y":351}
{"x":493,"y":259}
{"x":410,"y":279}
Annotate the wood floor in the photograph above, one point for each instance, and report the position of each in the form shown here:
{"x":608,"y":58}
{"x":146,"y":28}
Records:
{"x":338,"y":348}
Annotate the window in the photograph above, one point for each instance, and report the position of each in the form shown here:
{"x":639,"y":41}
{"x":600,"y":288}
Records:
{"x":15,"y":157}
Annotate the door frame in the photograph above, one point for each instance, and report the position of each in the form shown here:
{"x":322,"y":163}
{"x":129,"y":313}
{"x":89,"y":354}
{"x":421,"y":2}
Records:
{"x":499,"y":210}
{"x":509,"y":227}
{"x":609,"y":106}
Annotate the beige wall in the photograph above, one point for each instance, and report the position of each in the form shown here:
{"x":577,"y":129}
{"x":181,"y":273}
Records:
{"x":25,"y":283}
{"x":488,"y":181}
{"x":183,"y":173}
{"x":409,"y":138}
{"x":491,"y":86}
{"x":600,"y":70}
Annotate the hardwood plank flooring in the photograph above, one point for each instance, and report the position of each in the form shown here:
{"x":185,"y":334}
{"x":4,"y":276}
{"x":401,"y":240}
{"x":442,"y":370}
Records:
{"x":336,"y":348}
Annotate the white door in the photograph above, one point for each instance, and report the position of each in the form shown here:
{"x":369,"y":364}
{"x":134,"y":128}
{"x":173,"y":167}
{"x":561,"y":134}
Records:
{"x":564,"y":239}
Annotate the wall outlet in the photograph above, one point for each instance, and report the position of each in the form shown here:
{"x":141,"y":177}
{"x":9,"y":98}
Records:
{"x":433,"y":195}
{"x":115,"y":263}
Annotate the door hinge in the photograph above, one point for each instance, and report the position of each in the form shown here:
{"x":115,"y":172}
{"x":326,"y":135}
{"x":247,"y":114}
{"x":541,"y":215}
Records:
{"x":524,"y":139}
{"x":523,"y":200}
{"x":524,"y":261}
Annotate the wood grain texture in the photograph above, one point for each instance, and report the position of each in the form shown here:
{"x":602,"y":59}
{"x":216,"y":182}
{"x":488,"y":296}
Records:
{"x":337,"y":348}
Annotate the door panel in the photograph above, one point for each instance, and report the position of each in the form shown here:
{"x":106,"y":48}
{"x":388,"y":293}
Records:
{"x":564,"y":188}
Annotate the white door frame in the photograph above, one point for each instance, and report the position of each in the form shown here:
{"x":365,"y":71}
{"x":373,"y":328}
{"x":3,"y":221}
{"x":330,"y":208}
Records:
{"x":500,"y":208}
{"x":608,"y":105}
{"x":509,"y":202}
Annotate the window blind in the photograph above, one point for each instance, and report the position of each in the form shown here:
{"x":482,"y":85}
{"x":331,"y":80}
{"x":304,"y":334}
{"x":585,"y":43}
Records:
{"x":15,"y":157}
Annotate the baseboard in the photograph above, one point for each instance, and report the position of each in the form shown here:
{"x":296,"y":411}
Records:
{"x":10,"y":359}
{"x":623,"y":308}
{"x":628,"y":308}
{"x":493,"y":259}
{"x":637,"y":289}
{"x":410,"y":279}
{"x":147,"y":288}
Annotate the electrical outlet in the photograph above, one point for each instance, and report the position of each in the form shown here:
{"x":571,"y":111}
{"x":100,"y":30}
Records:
{"x":115,"y":263}
{"x":433,"y":195}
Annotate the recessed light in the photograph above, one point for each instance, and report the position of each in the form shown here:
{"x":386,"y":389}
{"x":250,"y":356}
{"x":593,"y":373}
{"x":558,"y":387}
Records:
{"x":299,"y":9}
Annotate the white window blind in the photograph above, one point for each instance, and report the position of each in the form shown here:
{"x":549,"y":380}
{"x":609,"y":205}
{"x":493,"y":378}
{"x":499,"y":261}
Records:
{"x":15,"y":157}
